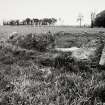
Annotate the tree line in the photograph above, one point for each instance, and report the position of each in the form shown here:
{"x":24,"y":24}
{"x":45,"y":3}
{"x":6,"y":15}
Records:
{"x":29,"y":21}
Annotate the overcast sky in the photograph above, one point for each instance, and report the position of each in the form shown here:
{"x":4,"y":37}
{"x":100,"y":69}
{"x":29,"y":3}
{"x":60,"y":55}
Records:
{"x":67,"y":10}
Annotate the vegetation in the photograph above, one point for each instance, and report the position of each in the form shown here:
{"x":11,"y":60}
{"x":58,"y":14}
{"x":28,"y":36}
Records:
{"x":93,"y":16}
{"x":31,"y":76}
{"x":28,"y":21}
{"x":99,"y":21}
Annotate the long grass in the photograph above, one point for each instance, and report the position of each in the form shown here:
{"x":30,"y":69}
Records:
{"x":25,"y":81}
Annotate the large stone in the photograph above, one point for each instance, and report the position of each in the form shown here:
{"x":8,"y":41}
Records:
{"x":102,"y":59}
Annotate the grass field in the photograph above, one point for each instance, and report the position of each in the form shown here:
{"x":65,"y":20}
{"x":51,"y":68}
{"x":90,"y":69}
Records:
{"x":25,"y":81}
{"x":6,"y":30}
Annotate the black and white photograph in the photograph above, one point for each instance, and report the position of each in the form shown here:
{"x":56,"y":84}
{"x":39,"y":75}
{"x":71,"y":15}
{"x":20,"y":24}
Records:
{"x":52,"y":52}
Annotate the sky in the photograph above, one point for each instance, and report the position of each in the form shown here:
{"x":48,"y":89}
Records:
{"x":66,"y":11}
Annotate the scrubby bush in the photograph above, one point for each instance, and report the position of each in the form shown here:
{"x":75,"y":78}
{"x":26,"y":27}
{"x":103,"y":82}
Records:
{"x":99,"y":20}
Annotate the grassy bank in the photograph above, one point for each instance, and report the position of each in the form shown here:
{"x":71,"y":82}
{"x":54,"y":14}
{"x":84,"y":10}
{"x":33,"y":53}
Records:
{"x":25,"y":81}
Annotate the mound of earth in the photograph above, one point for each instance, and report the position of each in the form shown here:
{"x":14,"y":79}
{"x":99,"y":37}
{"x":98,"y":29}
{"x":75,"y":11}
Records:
{"x":38,"y":42}
{"x":87,"y":54}
{"x":74,"y":58}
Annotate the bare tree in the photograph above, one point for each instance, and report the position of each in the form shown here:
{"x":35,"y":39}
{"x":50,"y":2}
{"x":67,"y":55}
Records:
{"x":93,"y":16}
{"x":79,"y":19}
